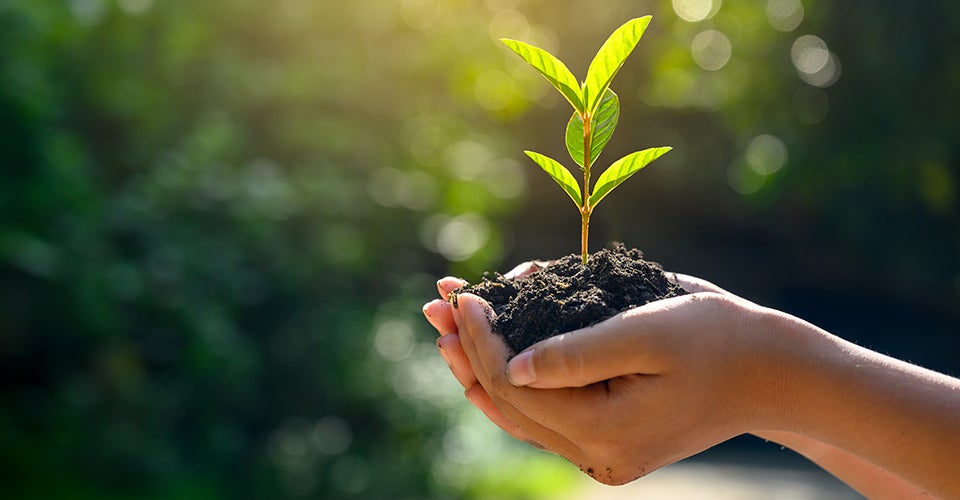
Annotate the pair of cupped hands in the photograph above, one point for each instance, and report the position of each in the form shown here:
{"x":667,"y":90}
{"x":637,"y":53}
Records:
{"x":622,"y":398}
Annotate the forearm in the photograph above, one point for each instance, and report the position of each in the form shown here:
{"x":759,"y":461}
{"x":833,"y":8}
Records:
{"x":866,"y":478}
{"x":900,"y":417}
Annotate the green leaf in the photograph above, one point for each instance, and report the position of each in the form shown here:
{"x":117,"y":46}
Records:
{"x":551,"y":68}
{"x":560,"y":174}
{"x":603,"y":123}
{"x":622,"y":169}
{"x":609,"y":59}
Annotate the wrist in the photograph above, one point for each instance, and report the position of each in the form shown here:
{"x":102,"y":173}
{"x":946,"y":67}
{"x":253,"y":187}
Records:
{"x":789,"y":353}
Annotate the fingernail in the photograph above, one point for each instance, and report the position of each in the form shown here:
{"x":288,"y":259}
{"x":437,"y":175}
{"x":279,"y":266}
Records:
{"x":520,"y":369}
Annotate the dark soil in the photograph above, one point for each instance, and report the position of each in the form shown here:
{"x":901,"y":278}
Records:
{"x":566,"y":295}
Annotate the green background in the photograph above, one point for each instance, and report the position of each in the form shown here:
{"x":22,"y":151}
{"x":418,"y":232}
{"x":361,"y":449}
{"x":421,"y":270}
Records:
{"x":220,"y":218}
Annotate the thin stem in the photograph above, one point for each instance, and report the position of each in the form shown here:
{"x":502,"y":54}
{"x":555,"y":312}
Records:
{"x":585,"y":209}
{"x":584,"y":234}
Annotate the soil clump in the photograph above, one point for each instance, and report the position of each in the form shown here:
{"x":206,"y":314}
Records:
{"x":566,"y":295}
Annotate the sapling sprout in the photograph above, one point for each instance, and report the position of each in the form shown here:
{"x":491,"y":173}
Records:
{"x":596,"y":112}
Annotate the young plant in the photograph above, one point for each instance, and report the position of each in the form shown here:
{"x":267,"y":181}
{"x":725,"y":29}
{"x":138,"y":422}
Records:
{"x":596,"y":111}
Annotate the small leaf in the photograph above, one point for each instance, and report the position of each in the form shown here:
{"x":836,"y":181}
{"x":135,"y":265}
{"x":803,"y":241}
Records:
{"x":551,"y":68}
{"x":622,"y":169}
{"x":604,"y":122}
{"x":609,"y":59}
{"x":560,"y":174}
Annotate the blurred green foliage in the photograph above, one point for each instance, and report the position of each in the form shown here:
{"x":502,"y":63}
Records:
{"x":220,"y":218}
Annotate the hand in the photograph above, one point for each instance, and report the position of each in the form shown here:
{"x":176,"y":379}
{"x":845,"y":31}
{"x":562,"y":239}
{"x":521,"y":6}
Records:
{"x":690,"y":382}
{"x":621,"y":442}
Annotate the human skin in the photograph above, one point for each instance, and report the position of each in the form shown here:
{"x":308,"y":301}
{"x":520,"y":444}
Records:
{"x":667,"y":380}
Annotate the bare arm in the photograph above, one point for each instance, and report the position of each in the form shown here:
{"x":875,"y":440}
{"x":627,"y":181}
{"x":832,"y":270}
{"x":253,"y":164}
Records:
{"x":865,"y":477}
{"x":868,"y":479}
{"x":840,"y":405}
{"x":890,"y":414}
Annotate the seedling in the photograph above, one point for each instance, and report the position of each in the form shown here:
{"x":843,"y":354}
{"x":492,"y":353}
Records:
{"x":596,"y":112}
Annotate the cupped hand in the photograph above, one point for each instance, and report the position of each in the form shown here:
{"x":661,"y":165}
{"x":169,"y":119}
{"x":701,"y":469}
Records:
{"x":646,"y":388}
{"x":690,"y":383}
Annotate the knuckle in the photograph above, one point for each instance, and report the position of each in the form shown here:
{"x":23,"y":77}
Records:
{"x":722,"y":304}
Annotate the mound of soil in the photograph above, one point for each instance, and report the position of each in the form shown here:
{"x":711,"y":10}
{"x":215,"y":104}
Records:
{"x":566,"y":295}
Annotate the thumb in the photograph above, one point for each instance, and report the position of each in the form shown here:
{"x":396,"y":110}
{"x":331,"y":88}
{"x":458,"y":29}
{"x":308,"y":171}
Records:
{"x":609,"y":349}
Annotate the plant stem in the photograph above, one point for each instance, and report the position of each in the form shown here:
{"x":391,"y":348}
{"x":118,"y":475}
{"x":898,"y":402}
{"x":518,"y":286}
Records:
{"x":584,"y":234}
{"x":586,"y":209}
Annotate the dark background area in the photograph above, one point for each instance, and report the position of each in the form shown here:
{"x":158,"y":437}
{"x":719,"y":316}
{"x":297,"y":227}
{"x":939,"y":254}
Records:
{"x":218,"y":220}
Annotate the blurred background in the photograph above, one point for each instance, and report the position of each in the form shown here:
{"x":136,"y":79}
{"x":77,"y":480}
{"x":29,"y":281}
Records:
{"x":220,"y":218}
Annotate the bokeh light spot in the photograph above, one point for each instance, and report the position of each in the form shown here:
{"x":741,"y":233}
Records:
{"x":815,"y":63}
{"x":469,"y":160}
{"x":392,"y":187}
{"x":744,"y":179}
{"x":462,"y":237}
{"x":809,"y":54}
{"x":711,"y":50}
{"x":394,"y":340}
{"x":331,"y":435}
{"x":287,"y":445}
{"x":827,"y":76}
{"x":766,"y":154}
{"x":456,"y":238}
{"x":696,"y":10}
{"x":784,"y":15}
{"x":509,"y":24}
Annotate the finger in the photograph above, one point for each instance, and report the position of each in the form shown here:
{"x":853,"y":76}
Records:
{"x":625,"y":344}
{"x":488,"y":356}
{"x":473,"y":317}
{"x":479,"y":398}
{"x":452,"y":353}
{"x":521,"y":427}
{"x":440,"y":314}
{"x":526,"y":410}
{"x":693,"y":284}
{"x":447,"y":285}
